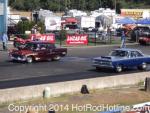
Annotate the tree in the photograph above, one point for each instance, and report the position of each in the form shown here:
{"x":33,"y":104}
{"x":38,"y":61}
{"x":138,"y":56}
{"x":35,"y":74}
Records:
{"x":60,"y":5}
{"x":148,"y":2}
{"x":31,"y":4}
{"x":93,"y":4}
{"x":18,"y":4}
{"x":67,"y":3}
{"x":110,"y":4}
{"x":10,"y":2}
{"x":23,"y":26}
{"x":118,"y":7}
{"x":82,"y":4}
{"x":44,"y":4}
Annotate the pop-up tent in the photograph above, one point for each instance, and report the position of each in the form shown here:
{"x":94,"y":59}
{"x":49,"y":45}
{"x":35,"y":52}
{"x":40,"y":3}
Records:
{"x":126,"y":20}
{"x":143,"y":21}
{"x":104,"y":20}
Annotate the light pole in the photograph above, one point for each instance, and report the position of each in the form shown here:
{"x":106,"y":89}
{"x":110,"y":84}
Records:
{"x":115,"y":6}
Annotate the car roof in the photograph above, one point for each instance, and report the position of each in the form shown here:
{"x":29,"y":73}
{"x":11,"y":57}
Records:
{"x":127,"y":49}
{"x":40,"y":42}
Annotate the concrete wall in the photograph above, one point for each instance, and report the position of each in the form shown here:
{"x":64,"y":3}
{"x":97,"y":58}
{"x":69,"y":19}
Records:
{"x":56,"y":89}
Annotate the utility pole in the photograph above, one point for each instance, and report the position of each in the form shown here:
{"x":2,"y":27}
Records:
{"x":115,"y":6}
{"x":59,"y":5}
{"x":100,"y":3}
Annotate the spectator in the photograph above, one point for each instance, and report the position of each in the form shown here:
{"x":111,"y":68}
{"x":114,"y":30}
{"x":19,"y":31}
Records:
{"x":104,"y":35}
{"x":34,"y":29}
{"x":4,"y":39}
{"x":123,"y":38}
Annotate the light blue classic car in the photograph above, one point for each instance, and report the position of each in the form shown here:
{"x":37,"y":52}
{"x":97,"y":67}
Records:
{"x":122,"y":58}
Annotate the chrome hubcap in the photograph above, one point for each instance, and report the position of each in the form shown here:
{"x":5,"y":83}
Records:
{"x":29,"y":60}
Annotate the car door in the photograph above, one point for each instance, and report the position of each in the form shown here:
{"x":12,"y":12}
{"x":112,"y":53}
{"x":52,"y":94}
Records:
{"x":50,"y":51}
{"x":132,"y":59}
{"x":136,"y":57}
{"x":41,"y":50}
{"x":139,"y":59}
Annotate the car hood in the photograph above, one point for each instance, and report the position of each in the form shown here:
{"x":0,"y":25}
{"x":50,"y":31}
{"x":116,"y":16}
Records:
{"x":108,"y":58}
{"x":21,"y":52}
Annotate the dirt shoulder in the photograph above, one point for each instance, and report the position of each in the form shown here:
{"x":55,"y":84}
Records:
{"x":77,"y":102}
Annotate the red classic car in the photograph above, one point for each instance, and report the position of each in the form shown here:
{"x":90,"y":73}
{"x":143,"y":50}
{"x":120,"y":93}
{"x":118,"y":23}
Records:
{"x":144,"y":40}
{"x":37,"y":51}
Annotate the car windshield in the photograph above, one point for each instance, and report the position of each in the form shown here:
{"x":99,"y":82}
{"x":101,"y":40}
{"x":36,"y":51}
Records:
{"x":74,"y":26}
{"x":119,"y":53}
{"x":39,"y":46}
{"x":31,"y":46}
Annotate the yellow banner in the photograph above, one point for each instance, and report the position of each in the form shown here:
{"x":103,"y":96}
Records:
{"x":134,"y":13}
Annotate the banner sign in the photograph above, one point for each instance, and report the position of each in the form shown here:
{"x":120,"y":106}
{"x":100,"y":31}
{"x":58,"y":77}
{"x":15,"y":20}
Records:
{"x":77,"y":39}
{"x":135,"y":13}
{"x":43,"y":37}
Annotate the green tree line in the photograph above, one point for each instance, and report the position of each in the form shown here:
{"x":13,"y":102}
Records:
{"x":87,"y":5}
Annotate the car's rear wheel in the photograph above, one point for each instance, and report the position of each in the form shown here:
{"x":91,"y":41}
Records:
{"x":143,"y":66}
{"x":118,"y":68}
{"x":56,"y":58}
{"x":98,"y":68}
{"x":29,"y":59}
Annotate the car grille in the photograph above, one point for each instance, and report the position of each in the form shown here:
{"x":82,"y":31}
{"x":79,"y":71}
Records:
{"x":16,"y":56}
{"x":106,"y":63}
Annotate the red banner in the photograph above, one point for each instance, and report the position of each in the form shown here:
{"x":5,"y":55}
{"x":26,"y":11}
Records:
{"x":43,"y":37}
{"x":77,"y":39}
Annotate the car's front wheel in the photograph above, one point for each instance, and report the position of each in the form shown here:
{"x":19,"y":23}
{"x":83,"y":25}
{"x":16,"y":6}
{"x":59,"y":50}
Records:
{"x":56,"y":58}
{"x":29,"y":59}
{"x":64,"y":53}
{"x":143,"y":66}
{"x":118,"y":68}
{"x":143,"y":43}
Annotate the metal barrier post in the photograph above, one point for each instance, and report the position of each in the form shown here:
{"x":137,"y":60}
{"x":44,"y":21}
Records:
{"x":95,"y":38}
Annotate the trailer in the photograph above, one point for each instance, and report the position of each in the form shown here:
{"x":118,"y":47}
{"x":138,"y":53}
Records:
{"x":52,"y":23}
{"x":86,"y":22}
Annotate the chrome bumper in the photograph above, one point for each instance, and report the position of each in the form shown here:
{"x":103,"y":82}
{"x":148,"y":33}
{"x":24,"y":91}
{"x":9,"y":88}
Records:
{"x":103,"y":66}
{"x":18,"y":58}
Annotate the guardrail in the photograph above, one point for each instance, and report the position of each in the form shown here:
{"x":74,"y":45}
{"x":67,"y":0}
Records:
{"x":56,"y":89}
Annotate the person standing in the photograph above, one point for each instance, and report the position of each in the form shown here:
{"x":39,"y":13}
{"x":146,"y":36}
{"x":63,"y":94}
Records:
{"x":4,"y":39}
{"x":123,"y":38}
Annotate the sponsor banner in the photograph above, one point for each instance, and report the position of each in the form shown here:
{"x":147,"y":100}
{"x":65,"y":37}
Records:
{"x":43,"y":37}
{"x":77,"y":39}
{"x":135,"y":13}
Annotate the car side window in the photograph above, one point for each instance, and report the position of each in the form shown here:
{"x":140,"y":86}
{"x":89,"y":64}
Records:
{"x":138,"y":54}
{"x":135,"y":54}
{"x":50,"y":46}
{"x":42,"y":47}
